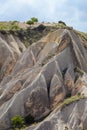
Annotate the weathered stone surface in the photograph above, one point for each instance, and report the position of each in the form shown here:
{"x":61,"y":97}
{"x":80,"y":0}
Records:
{"x":27,"y":98}
{"x":38,"y":104}
{"x":80,"y":86}
{"x":9,"y":52}
{"x":71,"y":117}
{"x":79,"y":51}
{"x":69,"y":80}
{"x":57,"y":93}
{"x":35,"y":81}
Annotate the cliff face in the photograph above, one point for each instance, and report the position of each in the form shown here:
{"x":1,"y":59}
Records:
{"x":10,"y":49}
{"x":35,"y":80}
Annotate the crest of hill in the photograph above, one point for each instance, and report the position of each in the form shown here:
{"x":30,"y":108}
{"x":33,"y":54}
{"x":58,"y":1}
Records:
{"x":32,"y":33}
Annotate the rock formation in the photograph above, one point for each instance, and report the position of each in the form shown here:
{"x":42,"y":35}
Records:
{"x":35,"y":81}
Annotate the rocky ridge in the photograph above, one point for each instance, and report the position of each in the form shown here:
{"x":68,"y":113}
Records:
{"x":35,"y":80}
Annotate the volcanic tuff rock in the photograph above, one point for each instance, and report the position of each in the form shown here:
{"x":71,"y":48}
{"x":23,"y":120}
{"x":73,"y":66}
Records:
{"x":36,"y":81}
{"x":71,"y":117}
{"x":9,"y":52}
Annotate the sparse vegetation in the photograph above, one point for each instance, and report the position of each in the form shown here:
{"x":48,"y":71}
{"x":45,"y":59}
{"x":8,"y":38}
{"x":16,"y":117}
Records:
{"x":69,"y":101}
{"x":84,"y":35}
{"x":14,"y":26}
{"x":7,"y":26}
{"x":77,"y":69}
{"x":17,"y":122}
{"x":84,"y":38}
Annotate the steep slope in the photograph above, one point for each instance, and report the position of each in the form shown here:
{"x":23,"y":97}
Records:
{"x":46,"y":73}
{"x":70,"y":117}
{"x":10,"y":47}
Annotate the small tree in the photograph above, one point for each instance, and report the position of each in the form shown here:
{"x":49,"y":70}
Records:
{"x":34,"y":19}
{"x":30,"y":22}
{"x":17,"y":122}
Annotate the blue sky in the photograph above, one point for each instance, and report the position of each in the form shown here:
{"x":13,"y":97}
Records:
{"x":72,"y":12}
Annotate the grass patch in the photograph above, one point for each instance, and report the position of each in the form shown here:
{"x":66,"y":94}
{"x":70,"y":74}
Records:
{"x":84,"y":38}
{"x":69,"y":101}
{"x":7,"y":26}
{"x":77,"y":69}
{"x":84,"y":35}
{"x":62,"y":26}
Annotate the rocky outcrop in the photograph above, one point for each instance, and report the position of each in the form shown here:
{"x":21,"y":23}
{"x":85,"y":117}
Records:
{"x":42,"y":77}
{"x":9,"y":52}
{"x":71,"y":117}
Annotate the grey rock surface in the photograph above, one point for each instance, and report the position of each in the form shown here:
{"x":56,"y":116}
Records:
{"x":9,"y":53}
{"x":41,"y":77}
{"x":72,"y":117}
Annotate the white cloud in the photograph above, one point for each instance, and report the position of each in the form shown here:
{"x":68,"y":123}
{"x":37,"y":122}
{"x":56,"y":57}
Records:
{"x":46,"y":10}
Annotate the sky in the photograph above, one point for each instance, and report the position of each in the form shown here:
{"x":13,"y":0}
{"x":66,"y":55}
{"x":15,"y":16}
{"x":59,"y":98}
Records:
{"x":72,"y":12}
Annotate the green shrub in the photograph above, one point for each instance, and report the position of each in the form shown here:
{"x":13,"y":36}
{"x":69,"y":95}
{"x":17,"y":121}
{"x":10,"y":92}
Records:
{"x":30,"y":22}
{"x":17,"y":122}
{"x":61,"y":22}
{"x":79,"y":94}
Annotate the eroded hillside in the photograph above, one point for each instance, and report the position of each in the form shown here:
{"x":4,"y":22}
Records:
{"x":47,"y":79}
